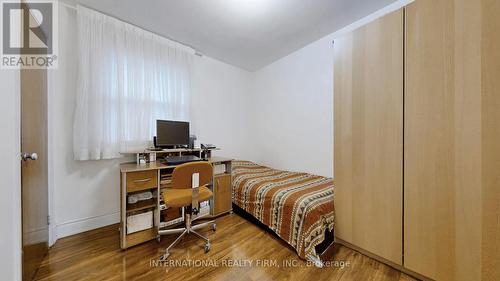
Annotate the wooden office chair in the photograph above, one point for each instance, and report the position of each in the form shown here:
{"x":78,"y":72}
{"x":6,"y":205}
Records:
{"x":189,"y":187}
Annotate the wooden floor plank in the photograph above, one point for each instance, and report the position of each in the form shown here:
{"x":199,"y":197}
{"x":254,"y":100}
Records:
{"x":96,"y":255}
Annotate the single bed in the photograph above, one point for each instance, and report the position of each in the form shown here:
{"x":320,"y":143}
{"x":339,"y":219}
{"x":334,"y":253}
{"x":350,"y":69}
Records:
{"x":298,"y":207}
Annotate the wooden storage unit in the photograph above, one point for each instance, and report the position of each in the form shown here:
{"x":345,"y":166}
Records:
{"x":136,"y":182}
{"x":452,"y":139}
{"x":222,"y":189}
{"x":451,"y":153}
{"x":369,"y":137}
{"x":155,"y":176}
{"x":222,"y":194}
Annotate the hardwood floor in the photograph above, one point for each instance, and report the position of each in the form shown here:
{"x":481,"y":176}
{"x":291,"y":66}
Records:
{"x":96,"y":255}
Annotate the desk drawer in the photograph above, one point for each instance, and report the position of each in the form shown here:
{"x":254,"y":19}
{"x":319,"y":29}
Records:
{"x":137,"y":181}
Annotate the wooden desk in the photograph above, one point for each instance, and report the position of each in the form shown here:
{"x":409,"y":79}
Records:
{"x":147,"y":177}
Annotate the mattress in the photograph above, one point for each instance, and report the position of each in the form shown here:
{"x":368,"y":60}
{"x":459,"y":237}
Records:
{"x":298,"y":207}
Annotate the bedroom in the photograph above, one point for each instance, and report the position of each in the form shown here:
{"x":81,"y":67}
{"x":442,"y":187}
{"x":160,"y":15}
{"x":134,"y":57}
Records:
{"x":342,"y":140}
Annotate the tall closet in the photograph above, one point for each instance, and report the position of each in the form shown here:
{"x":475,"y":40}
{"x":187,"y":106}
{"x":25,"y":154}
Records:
{"x":369,"y":136}
{"x":417,"y":139}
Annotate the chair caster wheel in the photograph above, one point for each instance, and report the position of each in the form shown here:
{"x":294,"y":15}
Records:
{"x":214,"y":227}
{"x":207,"y":248}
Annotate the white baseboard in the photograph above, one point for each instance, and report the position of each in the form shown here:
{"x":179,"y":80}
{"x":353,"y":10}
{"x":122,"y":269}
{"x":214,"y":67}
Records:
{"x":79,"y":226}
{"x":52,"y":235}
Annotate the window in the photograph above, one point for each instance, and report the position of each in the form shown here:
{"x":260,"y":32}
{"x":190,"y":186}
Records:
{"x":127,"y":78}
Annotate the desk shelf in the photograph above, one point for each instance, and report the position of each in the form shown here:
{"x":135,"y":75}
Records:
{"x":142,"y":205}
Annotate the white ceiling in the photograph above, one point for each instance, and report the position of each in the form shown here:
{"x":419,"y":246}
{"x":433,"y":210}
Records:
{"x":246,"y":33}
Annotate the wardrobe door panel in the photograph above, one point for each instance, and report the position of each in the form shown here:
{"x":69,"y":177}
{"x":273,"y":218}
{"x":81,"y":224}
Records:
{"x":491,"y":139}
{"x":369,"y":137}
{"x":442,"y":189}
{"x":429,"y":151}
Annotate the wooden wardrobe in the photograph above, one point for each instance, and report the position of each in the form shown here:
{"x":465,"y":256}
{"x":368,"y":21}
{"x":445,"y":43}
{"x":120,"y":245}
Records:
{"x":369,"y":137}
{"x":417,"y":139}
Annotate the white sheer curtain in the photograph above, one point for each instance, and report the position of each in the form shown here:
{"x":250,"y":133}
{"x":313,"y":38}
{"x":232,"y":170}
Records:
{"x":127,"y":78}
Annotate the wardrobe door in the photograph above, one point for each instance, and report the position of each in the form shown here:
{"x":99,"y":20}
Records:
{"x":429,"y":133}
{"x":490,"y":114}
{"x":368,"y":142}
{"x":443,"y":139}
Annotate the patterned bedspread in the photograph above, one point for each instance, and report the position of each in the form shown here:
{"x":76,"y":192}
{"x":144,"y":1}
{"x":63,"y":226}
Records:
{"x":296,"y":206}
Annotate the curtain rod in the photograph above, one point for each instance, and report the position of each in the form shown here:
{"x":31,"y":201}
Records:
{"x":196,"y":52}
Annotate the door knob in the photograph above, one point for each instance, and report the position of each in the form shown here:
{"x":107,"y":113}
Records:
{"x":29,"y":156}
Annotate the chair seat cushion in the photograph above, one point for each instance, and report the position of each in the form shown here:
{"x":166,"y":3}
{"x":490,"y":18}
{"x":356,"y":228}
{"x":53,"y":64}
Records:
{"x":175,"y":197}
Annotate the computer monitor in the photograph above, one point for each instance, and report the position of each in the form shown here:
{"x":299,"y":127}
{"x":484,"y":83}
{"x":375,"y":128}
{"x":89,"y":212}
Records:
{"x":171,"y":133}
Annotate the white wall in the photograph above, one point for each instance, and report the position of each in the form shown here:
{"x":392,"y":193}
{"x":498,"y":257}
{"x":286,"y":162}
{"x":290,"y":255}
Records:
{"x":86,"y":193}
{"x":294,"y":105}
{"x":294,"y":110}
{"x":220,"y":111}
{"x":10,"y":173}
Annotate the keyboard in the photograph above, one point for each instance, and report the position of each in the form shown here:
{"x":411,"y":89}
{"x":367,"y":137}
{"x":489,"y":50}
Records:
{"x":175,"y":160}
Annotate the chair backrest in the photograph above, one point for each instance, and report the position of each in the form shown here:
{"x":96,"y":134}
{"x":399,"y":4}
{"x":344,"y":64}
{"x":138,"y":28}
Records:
{"x":183,"y":174}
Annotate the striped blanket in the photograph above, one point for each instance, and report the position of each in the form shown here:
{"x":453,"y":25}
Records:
{"x":296,"y":206}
